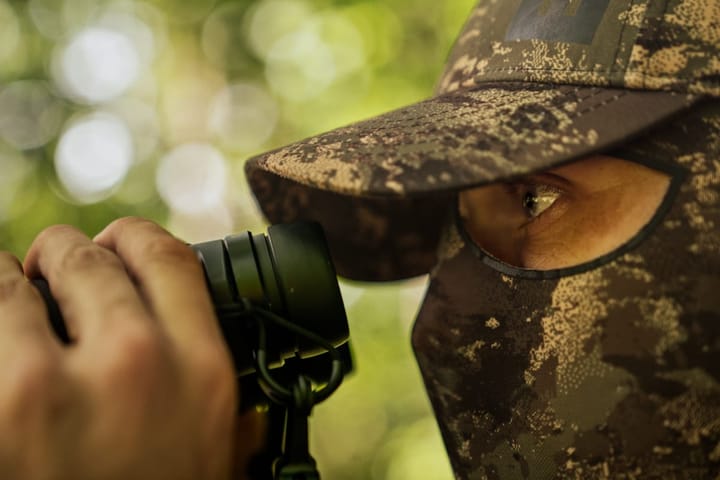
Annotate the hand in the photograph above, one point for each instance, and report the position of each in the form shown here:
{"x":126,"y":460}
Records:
{"x":146,"y":390}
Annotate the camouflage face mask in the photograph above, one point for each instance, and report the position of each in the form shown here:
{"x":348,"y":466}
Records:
{"x":606,"y":370}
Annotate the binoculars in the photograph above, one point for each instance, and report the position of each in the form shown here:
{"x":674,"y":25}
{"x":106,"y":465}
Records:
{"x":281,"y":314}
{"x":279,"y":306}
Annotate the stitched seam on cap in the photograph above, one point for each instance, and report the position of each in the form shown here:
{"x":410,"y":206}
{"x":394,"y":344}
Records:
{"x":592,"y":93}
{"x":478,"y":77}
{"x":644,"y":74}
{"x":607,"y":101}
{"x":622,"y":34}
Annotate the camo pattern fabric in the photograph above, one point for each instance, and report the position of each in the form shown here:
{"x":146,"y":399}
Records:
{"x":461,"y":139}
{"x":612,"y":373}
{"x":635,"y":44}
{"x":364,"y":243}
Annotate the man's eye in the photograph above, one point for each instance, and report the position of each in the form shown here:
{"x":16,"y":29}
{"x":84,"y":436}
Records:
{"x":538,"y":198}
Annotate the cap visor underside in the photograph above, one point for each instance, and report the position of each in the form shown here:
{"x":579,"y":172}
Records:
{"x":380,"y":187}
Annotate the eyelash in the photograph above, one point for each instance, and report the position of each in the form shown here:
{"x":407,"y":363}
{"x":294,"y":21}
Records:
{"x":546,"y":196}
{"x":522,"y":190}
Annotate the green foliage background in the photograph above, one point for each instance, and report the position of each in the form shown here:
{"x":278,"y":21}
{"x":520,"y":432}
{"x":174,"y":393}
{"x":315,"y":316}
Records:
{"x":374,"y":56}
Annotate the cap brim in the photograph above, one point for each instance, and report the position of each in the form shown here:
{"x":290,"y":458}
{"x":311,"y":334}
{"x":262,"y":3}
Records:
{"x":413,"y":157}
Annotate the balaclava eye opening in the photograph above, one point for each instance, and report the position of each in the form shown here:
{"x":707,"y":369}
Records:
{"x":676,"y":175}
{"x":607,"y":369}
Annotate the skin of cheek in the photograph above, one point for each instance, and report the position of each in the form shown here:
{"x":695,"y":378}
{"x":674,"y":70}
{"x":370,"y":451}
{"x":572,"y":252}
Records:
{"x":577,"y":236}
{"x":553,"y":248}
{"x":596,"y":222}
{"x":605,"y":203}
{"x":491,"y":221}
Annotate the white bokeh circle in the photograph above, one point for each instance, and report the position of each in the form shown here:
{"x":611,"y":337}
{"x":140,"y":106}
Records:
{"x":93,"y":156}
{"x":192,"y":178}
{"x":97,"y":65}
{"x":243,"y":116}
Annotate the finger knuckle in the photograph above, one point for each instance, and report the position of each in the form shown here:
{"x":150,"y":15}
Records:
{"x":135,"y":350}
{"x":10,"y":285}
{"x":165,"y":250}
{"x":86,"y":257}
{"x":7,"y":258}
{"x":131,"y":225}
{"x":125,"y":222}
{"x":54,"y":231}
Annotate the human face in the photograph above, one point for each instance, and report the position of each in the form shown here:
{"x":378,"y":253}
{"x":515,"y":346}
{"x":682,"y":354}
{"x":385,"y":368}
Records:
{"x":581,"y":371}
{"x":564,"y":216}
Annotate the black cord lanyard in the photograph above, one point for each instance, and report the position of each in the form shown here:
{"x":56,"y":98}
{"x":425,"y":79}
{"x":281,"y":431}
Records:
{"x":298,"y":400}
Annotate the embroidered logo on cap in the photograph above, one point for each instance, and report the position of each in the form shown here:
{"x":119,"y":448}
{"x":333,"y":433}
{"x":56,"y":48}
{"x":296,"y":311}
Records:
{"x":571,"y":21}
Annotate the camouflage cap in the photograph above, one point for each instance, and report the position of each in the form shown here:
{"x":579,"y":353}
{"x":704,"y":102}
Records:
{"x":529,"y":84}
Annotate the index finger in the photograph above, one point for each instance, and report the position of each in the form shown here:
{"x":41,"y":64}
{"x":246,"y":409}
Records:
{"x":169,"y":276}
{"x":90,"y":284}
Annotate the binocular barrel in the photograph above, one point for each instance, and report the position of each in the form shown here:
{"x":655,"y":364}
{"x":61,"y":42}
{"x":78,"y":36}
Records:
{"x":289,"y":274}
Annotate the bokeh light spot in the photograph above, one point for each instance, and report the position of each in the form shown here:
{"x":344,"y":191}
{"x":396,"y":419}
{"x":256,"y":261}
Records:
{"x":224,"y":40}
{"x":93,"y":156}
{"x":30,"y":116}
{"x":46,"y":16}
{"x":9,"y":31}
{"x":300,"y":66}
{"x":210,"y":225}
{"x":142,"y":120}
{"x":134,"y":30}
{"x":15,"y":168}
{"x":186,"y":11}
{"x":191,"y":178}
{"x":186,"y":101}
{"x":243,"y":116}
{"x":54,"y":18}
{"x":98,"y":65}
{"x":307,"y":60}
{"x":381,"y":31}
{"x":342,"y":38}
{"x":273,"y":19}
